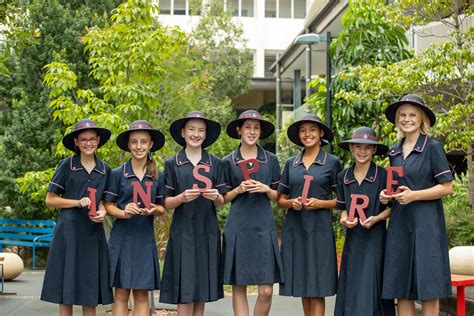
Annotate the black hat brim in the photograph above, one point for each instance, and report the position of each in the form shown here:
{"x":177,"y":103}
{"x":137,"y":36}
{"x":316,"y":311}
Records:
{"x":381,"y":148}
{"x":156,"y":136}
{"x":103,"y":133}
{"x":213,"y":130}
{"x":294,"y":130}
{"x":266,"y":127}
{"x":391,"y":111}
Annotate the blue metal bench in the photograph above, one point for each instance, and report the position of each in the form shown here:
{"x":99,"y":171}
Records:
{"x":27,"y":233}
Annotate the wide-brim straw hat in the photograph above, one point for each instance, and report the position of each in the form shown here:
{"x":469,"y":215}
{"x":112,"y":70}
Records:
{"x":81,"y":126}
{"x":213,"y":128}
{"x":141,"y":125}
{"x":365,"y":135}
{"x":294,"y":129}
{"x":412,"y":99}
{"x":267,"y":128}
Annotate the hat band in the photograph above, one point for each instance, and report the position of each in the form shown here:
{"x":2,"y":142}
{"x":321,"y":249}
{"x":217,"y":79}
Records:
{"x":312,"y":120}
{"x":365,"y":136}
{"x":85,"y":124}
{"x":139,"y":125}
{"x":251,"y":116}
{"x":413,"y":100}
{"x":195,"y":115}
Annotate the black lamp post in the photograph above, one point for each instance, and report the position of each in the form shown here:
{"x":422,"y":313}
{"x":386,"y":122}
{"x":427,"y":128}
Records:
{"x":309,"y":39}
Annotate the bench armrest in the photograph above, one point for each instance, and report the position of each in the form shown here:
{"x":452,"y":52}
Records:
{"x":42,"y":236}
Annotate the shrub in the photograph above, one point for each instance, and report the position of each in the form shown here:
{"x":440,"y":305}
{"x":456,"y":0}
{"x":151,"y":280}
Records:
{"x":459,"y":214}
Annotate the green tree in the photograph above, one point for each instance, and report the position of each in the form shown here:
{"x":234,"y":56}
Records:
{"x":143,"y":70}
{"x":15,"y":33}
{"x":442,"y":73}
{"x":220,"y":45}
{"x":27,"y":133}
{"x":369,"y":37}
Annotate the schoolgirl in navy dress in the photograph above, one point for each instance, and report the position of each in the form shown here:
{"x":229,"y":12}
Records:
{"x":191,"y":269}
{"x":251,"y":255}
{"x":77,"y":271}
{"x":133,"y":196}
{"x":416,"y":255}
{"x":359,"y":290}
{"x":308,"y":247}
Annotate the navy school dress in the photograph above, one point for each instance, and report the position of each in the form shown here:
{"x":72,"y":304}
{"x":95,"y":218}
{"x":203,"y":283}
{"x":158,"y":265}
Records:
{"x":308,"y":247}
{"x":193,"y":253}
{"x":133,"y":257}
{"x":251,"y":254}
{"x":359,"y":290}
{"x":416,"y":254}
{"x":77,"y":268}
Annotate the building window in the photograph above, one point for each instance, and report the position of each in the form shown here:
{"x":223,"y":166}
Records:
{"x":165,"y":6}
{"x":189,"y":7}
{"x":246,"y":8}
{"x":285,"y":9}
{"x":289,"y":9}
{"x":233,"y":5}
{"x":299,"y":9}
{"x":175,"y":7}
{"x":179,"y":7}
{"x":241,"y":7}
{"x":271,"y":8}
{"x":270,"y":58}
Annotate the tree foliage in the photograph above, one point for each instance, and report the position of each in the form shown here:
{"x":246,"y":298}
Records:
{"x":27,"y":133}
{"x":442,"y":73}
{"x":144,"y":70}
{"x":220,"y":43}
{"x":370,"y":38}
{"x":459,"y":216}
{"x":15,"y":33}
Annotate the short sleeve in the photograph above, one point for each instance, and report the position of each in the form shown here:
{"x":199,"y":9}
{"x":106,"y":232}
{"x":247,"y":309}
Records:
{"x":340,"y":199}
{"x":160,"y":197}
{"x":170,"y":179}
{"x":439,"y":163}
{"x":284,"y":185}
{"x":112,"y":188}
{"x":337,"y":168}
{"x":221,"y":184}
{"x":275,"y":173}
{"x":58,"y":181}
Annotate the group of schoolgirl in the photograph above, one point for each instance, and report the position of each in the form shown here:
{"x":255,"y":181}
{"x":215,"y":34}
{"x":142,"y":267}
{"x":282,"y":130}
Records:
{"x":407,"y":262}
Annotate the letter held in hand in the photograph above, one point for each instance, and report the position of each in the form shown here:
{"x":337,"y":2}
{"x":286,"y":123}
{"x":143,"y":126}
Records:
{"x":93,"y":207}
{"x":201,"y":178}
{"x":307,"y":182}
{"x":254,"y":167}
{"x":391,"y":181}
{"x":144,"y":196}
{"x":358,"y":207}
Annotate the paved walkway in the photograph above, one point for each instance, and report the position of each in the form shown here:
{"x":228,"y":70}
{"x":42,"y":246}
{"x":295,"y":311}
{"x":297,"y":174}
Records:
{"x":27,"y":288}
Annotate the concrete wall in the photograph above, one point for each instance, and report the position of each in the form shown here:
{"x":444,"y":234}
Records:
{"x":421,"y":37}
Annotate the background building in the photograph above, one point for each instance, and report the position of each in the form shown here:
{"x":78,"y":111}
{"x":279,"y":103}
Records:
{"x":269,"y":26}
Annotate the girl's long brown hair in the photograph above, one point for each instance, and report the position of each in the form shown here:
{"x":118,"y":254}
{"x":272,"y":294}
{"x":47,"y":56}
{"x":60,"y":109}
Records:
{"x":151,"y":167}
